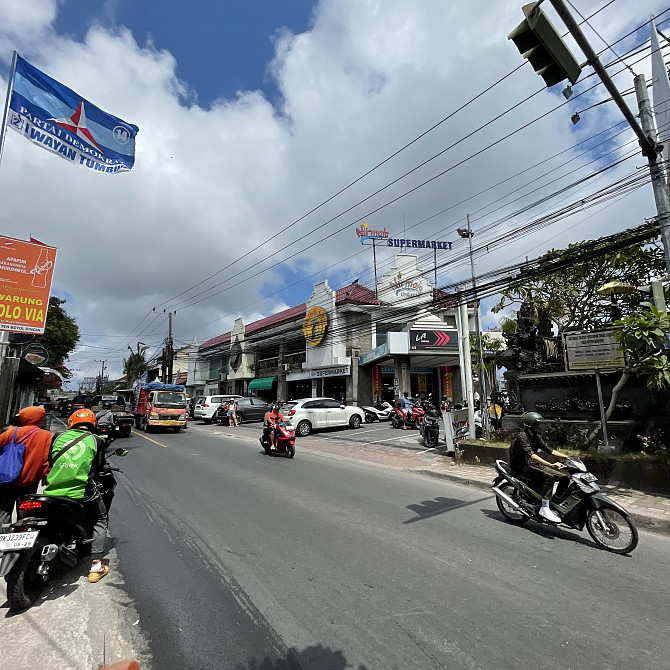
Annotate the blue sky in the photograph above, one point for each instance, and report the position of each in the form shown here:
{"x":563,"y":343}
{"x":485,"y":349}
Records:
{"x":221,"y":46}
{"x":251,"y":113}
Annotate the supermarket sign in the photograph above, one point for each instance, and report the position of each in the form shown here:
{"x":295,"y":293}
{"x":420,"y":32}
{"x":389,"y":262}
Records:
{"x":26,"y":271}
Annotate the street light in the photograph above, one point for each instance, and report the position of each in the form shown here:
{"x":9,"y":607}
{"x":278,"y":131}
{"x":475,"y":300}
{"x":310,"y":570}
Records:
{"x":467,"y":233}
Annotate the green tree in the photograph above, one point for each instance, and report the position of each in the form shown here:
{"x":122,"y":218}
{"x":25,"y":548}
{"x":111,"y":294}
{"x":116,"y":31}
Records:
{"x":571,"y":297}
{"x":135,"y":365}
{"x":641,"y":337}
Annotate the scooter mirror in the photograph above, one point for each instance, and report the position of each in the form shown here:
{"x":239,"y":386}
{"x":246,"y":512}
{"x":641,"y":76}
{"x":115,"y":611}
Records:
{"x":121,"y":452}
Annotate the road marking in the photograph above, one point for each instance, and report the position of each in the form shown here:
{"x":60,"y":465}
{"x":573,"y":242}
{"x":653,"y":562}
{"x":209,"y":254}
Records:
{"x":150,"y":440}
{"x":390,"y":439}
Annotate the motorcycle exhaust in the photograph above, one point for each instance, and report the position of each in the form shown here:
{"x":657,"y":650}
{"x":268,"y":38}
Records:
{"x":509,"y":501}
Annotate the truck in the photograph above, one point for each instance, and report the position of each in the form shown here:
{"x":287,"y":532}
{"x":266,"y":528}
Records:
{"x":116,"y":404}
{"x":158,"y":404}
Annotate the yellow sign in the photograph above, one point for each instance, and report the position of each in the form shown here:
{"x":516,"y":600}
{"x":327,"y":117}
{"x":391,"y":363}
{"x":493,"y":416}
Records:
{"x":314,"y":326}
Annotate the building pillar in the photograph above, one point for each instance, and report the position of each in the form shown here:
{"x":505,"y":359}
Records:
{"x":282,"y":384}
{"x":402,"y":381}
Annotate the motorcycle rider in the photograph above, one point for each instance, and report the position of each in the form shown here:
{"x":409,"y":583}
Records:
{"x":525,"y":460}
{"x":270,"y":423}
{"x":72,"y":476}
{"x":35,"y":458}
{"x":406,"y":406}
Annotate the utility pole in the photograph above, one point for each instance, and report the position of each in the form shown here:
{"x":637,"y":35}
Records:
{"x":483,"y":402}
{"x":98,"y":386}
{"x":464,"y":337}
{"x":170,"y":348}
{"x":645,"y":133}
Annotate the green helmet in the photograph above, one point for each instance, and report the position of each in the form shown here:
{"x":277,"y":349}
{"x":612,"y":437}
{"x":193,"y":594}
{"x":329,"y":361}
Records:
{"x":531,"y":419}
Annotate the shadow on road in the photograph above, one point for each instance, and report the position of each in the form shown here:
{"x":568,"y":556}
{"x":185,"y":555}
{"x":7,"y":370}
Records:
{"x":430,"y":508}
{"x":546,"y":531}
{"x":311,"y":658}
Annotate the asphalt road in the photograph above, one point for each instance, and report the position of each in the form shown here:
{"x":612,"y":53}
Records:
{"x":235,"y":559}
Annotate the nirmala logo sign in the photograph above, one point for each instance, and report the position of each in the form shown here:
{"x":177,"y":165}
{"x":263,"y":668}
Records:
{"x":364,"y":233}
{"x":405,"y":287}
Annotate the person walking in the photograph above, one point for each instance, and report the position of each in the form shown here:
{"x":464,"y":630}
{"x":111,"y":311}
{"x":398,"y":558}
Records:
{"x":36,"y":442}
{"x":232,"y":414}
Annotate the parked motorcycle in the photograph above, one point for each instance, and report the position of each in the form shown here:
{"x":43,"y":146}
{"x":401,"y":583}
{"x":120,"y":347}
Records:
{"x":50,"y":534}
{"x":381,"y":411}
{"x":579,"y":504}
{"x":411,"y":417}
{"x":284,"y":440}
{"x":429,"y":426}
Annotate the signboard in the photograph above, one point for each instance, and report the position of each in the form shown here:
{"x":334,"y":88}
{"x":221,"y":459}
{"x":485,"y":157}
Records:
{"x":430,"y":339}
{"x":595,"y":350}
{"x":26,"y":270}
{"x":373,"y":355}
{"x":376,"y":381}
{"x":341,"y":371}
{"x":36,"y":354}
{"x":447,"y":387}
{"x":314,"y":326}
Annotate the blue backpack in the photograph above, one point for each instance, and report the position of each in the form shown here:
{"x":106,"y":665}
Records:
{"x":11,"y":458}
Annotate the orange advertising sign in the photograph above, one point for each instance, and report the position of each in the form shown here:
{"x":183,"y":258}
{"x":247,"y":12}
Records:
{"x":26,"y":270}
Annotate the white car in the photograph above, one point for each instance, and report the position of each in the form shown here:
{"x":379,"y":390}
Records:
{"x":205,"y":407}
{"x":308,"y":414}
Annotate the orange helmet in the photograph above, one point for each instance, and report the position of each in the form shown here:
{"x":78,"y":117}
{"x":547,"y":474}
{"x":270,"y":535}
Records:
{"x":80,"y":418}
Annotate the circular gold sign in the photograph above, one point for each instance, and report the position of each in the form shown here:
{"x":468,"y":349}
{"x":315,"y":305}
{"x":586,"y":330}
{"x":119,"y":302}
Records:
{"x":314,"y":326}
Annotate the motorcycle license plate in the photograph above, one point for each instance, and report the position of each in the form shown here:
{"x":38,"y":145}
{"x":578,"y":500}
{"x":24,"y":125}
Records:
{"x":9,"y":541}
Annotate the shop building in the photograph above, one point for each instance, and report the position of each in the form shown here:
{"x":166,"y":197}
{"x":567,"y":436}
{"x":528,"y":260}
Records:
{"x":346,"y":343}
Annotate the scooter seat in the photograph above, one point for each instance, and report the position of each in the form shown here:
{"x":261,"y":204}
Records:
{"x":513,"y":473}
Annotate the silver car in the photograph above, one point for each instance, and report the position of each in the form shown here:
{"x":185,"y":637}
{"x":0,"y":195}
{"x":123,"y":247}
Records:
{"x":308,"y":414}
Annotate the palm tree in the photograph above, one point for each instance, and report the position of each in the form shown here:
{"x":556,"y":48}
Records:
{"x":135,"y":365}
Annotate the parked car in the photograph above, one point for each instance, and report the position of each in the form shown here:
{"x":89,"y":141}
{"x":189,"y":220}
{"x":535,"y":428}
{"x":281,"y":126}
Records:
{"x":206,"y":406}
{"x":248,"y":409}
{"x":192,"y":403}
{"x":310,"y":414}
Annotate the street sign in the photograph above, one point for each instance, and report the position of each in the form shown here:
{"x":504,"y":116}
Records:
{"x":595,"y":350}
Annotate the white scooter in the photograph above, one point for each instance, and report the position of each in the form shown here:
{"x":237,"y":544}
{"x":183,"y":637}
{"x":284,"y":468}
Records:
{"x":380,"y":412}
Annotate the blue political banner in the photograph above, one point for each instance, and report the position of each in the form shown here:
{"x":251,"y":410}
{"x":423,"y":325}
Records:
{"x":61,"y":121}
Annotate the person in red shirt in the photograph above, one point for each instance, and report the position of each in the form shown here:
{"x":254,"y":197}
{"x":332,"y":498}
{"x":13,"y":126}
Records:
{"x":270,"y":421}
{"x":35,"y":459}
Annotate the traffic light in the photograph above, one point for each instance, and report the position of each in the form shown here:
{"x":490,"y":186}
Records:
{"x":539,"y":42}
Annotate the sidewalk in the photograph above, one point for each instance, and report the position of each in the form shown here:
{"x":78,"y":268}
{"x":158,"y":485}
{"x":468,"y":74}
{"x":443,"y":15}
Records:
{"x":649,"y":512}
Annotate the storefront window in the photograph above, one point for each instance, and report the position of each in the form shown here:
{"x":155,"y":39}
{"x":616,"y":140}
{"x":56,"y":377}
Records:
{"x":335,"y":387}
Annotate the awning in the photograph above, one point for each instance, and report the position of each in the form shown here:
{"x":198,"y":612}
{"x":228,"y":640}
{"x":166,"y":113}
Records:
{"x":262,"y":383}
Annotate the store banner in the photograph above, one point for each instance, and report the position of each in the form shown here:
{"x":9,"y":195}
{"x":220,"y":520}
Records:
{"x":447,"y":385}
{"x":26,"y":271}
{"x":376,"y":381}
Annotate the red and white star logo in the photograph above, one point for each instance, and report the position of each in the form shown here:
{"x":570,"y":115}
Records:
{"x":77,"y":124}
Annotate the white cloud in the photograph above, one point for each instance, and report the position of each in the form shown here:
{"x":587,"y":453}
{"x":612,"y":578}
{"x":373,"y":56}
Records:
{"x":210,"y":184}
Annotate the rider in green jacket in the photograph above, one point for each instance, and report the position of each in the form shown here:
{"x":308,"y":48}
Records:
{"x":71,"y":476}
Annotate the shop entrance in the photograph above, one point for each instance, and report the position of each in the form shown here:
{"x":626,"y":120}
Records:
{"x":335,"y":387}
{"x":300,"y":388}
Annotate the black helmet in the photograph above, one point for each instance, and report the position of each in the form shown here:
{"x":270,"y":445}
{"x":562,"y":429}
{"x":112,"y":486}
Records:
{"x":531,"y":419}
{"x":275,"y":406}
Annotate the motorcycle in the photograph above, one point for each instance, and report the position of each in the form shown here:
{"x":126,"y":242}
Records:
{"x":580,"y":503}
{"x":284,"y":440}
{"x":411,"y":419}
{"x":429,"y":427}
{"x":379,"y":412}
{"x":50,"y":534}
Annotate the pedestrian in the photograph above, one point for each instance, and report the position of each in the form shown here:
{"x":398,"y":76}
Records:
{"x":232,"y":414}
{"x":35,"y":466}
{"x":72,"y":475}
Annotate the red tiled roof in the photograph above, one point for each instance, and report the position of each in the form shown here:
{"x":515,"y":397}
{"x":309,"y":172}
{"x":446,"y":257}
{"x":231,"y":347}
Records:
{"x":356,"y":293}
{"x":219,"y":339}
{"x":275,"y":319}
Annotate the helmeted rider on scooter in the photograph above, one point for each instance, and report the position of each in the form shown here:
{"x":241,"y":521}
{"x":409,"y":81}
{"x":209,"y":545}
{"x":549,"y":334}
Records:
{"x":72,"y":476}
{"x":525,"y":460}
{"x":270,"y":423}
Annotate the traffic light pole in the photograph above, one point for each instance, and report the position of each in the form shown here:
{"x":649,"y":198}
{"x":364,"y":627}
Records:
{"x":645,"y":133}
